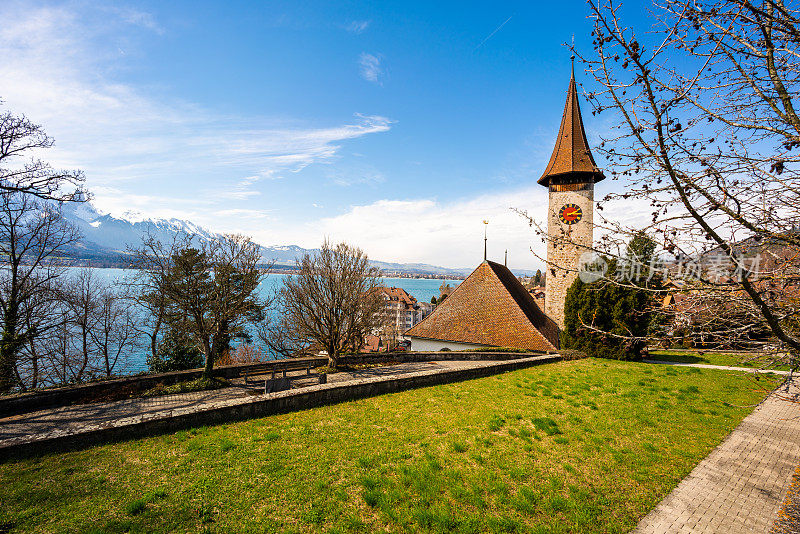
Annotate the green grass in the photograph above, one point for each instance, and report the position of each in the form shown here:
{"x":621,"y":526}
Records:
{"x":731,"y":359}
{"x":580,"y":446}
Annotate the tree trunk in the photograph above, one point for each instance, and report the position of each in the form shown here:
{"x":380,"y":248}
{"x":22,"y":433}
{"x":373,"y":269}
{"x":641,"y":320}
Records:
{"x":154,"y":338}
{"x":333,"y":358}
{"x":35,"y":363}
{"x":7,"y":380}
{"x":208,"y":371}
{"x":9,"y":346}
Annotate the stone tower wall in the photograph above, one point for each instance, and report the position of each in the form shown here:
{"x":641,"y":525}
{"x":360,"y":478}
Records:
{"x":565,"y":244}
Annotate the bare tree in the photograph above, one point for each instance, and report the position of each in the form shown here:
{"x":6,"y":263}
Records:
{"x":706,"y":134}
{"x":209,"y":289}
{"x":333,"y":301}
{"x":152,"y":262}
{"x":42,"y":317}
{"x":275,"y":333}
{"x":82,"y":301}
{"x":19,"y":137}
{"x":115,"y":331}
{"x":33,"y":237}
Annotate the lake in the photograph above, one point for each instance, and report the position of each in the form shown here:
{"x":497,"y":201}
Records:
{"x":421,"y":289}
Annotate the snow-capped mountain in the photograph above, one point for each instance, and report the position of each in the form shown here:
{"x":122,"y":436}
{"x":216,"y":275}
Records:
{"x":107,"y":238}
{"x":117,"y":234}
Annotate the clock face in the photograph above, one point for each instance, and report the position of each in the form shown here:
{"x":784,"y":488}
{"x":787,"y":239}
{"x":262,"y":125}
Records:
{"x":570,"y":214}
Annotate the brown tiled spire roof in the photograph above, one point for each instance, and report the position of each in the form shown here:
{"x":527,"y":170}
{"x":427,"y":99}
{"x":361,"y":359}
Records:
{"x":571,"y":155}
{"x":490,"y":308}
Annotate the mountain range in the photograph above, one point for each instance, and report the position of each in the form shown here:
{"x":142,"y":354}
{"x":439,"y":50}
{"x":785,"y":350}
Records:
{"x":106,"y":239}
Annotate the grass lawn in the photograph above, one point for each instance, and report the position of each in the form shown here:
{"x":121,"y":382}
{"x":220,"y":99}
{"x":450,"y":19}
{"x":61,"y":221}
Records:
{"x":580,"y":446}
{"x":732,"y":359}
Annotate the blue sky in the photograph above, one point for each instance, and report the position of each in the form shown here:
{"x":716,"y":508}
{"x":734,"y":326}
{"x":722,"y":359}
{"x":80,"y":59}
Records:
{"x":396,"y":126}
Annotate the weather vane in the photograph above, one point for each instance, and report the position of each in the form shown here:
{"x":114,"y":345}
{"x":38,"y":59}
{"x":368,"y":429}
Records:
{"x":485,"y":226}
{"x":572,"y":49}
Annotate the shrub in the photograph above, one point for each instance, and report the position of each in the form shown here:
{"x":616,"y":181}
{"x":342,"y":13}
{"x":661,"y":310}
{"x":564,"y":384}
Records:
{"x":571,"y":354}
{"x":199,"y":384}
{"x":620,"y":314}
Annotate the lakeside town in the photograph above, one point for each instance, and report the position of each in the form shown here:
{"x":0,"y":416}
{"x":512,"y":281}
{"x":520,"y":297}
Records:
{"x":534,"y":285}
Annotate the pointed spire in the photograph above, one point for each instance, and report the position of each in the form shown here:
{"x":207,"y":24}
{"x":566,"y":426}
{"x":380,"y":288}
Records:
{"x":571,"y":155}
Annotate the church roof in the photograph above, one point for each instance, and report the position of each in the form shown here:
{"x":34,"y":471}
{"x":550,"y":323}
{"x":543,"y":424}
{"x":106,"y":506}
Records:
{"x":571,"y":154}
{"x":490,"y":307}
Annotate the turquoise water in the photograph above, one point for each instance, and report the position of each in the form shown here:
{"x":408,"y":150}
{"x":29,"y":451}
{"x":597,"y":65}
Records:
{"x":421,"y":289}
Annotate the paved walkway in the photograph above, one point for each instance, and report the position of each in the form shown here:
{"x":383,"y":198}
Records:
{"x":75,"y":418}
{"x":740,"y":486}
{"x":719,"y":367}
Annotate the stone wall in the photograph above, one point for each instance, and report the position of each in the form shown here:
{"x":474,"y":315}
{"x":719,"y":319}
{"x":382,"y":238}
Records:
{"x":565,"y":245}
{"x":64,"y":396}
{"x":261,"y":406}
{"x":434,"y":356}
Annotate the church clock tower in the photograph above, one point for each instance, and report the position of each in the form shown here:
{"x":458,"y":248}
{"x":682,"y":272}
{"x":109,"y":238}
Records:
{"x":570,"y":177}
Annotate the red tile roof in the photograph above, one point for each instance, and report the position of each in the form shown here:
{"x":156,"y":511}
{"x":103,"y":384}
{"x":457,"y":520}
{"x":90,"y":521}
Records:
{"x":492,"y":308}
{"x":398,"y":294}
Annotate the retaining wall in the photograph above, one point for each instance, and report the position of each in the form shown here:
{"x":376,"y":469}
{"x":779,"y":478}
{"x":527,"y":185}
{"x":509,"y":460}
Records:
{"x":67,"y":395}
{"x":261,"y":406}
{"x":414,"y":356}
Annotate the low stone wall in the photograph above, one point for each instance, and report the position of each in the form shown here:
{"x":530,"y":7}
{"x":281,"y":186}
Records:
{"x":261,"y":406}
{"x":414,"y":356}
{"x":65,"y":396}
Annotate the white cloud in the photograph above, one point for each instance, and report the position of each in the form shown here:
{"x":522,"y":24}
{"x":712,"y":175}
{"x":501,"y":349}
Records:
{"x":58,"y":70}
{"x":370,"y":66}
{"x":442,"y":232}
{"x":243,"y":213}
{"x":358,"y":26}
{"x":137,"y":18}
{"x":449,"y":232}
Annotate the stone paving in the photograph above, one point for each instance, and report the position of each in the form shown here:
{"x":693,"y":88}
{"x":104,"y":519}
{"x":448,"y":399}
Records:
{"x":72,"y":419}
{"x":740,"y":486}
{"x":718,"y":367}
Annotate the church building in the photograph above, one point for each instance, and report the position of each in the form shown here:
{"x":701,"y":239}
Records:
{"x":570,"y":177}
{"x":491,"y":308}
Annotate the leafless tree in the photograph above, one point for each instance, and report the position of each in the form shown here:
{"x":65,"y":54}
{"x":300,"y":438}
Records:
{"x":152,"y":261}
{"x":33,"y":237}
{"x":706,"y":134}
{"x":278,"y":337}
{"x":209,"y":289}
{"x":333,"y":301}
{"x":82,"y":300}
{"x":32,"y":369}
{"x":19,"y":139}
{"x":115,"y":331}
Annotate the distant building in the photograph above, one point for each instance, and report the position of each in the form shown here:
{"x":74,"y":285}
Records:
{"x":372,"y":343}
{"x":538,"y":294}
{"x":401,"y":312}
{"x":488,"y":309}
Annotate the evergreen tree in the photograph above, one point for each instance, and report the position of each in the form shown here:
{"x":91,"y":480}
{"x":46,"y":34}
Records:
{"x":617,"y":313}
